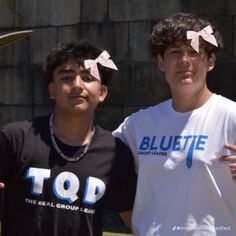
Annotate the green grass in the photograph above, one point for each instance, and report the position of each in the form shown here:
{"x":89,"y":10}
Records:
{"x":114,"y":234}
{"x":114,"y":226}
{"x":116,"y":230}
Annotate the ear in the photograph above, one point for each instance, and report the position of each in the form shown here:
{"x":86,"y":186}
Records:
{"x":211,"y":62}
{"x":51,"y":90}
{"x":160,"y":62}
{"x":103,"y":93}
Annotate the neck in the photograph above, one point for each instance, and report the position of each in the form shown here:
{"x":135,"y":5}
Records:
{"x":72,"y":130}
{"x":189,"y":102}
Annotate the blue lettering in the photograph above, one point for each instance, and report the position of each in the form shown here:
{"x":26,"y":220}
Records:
{"x":165,"y":148}
{"x":187,"y":138}
{"x":189,"y":159}
{"x":201,"y":141}
{"x":189,"y":143}
{"x":152,"y":144}
{"x":145,"y":143}
{"x":176,"y":143}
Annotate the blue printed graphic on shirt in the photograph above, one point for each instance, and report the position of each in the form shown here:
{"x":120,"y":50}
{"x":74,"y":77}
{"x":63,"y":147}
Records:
{"x":66,"y":185}
{"x":161,"y":145}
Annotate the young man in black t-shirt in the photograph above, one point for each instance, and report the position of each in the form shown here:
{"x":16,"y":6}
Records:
{"x":60,"y":172}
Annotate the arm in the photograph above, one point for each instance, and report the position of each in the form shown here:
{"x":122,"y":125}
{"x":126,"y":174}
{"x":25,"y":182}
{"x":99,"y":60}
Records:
{"x":126,"y":217}
{"x":123,"y":181}
{"x":6,"y":158}
{"x":230,"y":159}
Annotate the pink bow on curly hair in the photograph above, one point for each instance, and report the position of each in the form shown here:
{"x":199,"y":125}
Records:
{"x":205,"y":33}
{"x":102,"y":59}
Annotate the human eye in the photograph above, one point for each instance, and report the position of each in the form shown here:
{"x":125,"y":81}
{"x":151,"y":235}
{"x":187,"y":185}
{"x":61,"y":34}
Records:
{"x":66,"y":78}
{"x":87,"y":77}
{"x":173,"y":52}
{"x":193,"y":53}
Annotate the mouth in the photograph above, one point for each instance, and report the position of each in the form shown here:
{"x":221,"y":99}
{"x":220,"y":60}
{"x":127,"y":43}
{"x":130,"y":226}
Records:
{"x":185,"y":73}
{"x":76,"y":97}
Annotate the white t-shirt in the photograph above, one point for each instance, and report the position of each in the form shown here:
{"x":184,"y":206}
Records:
{"x":183,"y":189}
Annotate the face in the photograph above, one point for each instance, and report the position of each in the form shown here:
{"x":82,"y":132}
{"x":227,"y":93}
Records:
{"x":184,"y":68}
{"x":75,"y":90}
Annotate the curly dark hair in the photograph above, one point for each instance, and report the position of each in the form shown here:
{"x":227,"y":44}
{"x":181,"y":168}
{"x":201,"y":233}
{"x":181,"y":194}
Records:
{"x":172,"y":31}
{"x":75,"y":51}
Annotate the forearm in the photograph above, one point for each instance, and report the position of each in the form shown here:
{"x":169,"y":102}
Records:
{"x":126,"y":217}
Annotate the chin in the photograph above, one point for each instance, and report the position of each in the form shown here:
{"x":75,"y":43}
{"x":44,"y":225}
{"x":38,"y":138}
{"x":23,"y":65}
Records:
{"x":187,"y":80}
{"x":80,"y":109}
{"x":77,"y":108}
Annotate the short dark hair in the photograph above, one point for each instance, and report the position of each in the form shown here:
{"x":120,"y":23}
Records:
{"x":75,"y":51}
{"x":172,"y":31}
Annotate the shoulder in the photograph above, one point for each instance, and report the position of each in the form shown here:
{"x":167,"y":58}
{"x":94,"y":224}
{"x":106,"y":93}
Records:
{"x":143,"y":117}
{"x":224,"y":110}
{"x":149,"y":111}
{"x":224,"y":103}
{"x":105,"y":138}
{"x":103,"y":135}
{"x":22,"y":128}
{"x":223,"y":99}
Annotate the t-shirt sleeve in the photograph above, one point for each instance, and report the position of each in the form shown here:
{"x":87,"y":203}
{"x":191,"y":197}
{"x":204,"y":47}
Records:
{"x":6,"y":156}
{"x":121,"y":131}
{"x":122,"y":187}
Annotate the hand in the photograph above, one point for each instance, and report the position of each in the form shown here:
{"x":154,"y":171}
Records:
{"x":2,"y":185}
{"x":231,"y":159}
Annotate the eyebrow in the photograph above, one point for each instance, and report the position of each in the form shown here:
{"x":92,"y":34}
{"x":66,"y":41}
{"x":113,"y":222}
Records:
{"x":65,"y":71}
{"x":173,"y":46}
{"x":72,"y":71}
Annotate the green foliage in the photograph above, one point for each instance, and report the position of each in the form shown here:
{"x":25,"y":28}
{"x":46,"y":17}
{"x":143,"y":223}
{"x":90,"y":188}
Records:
{"x":114,"y":234}
{"x":10,"y":5}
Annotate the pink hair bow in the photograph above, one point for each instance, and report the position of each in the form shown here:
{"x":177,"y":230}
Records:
{"x":102,"y":59}
{"x":205,"y":33}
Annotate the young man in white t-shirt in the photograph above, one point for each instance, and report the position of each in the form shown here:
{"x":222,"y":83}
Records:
{"x":183,"y":188}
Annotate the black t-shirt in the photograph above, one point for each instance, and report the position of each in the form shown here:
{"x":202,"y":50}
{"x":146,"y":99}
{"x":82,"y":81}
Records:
{"x":47,"y":195}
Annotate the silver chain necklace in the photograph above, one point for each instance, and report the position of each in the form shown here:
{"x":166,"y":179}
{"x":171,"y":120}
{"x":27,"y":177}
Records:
{"x":72,"y":159}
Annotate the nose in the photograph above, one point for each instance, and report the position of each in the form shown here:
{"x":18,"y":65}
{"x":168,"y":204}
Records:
{"x":78,"y":82}
{"x":185,"y":55}
{"x":185,"y":58}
